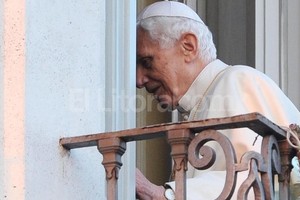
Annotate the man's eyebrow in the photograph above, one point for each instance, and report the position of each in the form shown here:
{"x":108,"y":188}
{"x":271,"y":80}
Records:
{"x":139,"y":58}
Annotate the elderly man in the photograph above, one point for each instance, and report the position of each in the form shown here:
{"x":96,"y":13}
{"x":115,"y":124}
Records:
{"x":177,"y":63}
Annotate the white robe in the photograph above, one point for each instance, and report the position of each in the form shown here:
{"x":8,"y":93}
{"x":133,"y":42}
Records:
{"x":222,"y":91}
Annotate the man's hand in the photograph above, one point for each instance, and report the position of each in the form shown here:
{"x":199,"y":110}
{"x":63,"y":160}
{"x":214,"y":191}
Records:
{"x":145,"y":190}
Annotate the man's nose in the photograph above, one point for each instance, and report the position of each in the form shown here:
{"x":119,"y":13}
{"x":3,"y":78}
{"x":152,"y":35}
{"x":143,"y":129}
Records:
{"x":141,"y":78}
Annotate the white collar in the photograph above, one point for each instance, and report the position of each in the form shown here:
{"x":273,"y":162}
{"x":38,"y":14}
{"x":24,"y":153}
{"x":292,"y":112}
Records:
{"x":196,"y":91}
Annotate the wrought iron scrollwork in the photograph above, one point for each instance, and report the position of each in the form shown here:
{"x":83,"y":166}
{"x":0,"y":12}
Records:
{"x":207,"y":157}
{"x":261,"y":167}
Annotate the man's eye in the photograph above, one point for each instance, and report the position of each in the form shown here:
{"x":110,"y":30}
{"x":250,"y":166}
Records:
{"x":146,"y":62}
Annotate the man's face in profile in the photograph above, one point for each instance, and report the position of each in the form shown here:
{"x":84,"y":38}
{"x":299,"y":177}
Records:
{"x":159,"y":70}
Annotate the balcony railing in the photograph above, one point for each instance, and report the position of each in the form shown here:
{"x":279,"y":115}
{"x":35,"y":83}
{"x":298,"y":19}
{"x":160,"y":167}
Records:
{"x":187,"y":139}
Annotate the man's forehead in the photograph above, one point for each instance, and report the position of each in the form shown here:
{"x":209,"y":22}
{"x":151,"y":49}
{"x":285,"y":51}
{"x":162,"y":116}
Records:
{"x":145,"y":50}
{"x":142,"y":33}
{"x":144,"y":41}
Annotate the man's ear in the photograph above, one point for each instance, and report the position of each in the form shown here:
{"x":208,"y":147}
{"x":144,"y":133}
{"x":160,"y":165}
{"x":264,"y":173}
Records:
{"x":189,"y":46}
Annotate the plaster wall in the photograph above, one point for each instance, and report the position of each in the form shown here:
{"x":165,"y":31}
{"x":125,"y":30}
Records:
{"x":52,"y":86}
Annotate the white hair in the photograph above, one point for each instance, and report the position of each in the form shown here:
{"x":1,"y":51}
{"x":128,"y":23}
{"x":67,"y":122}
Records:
{"x":167,"y":30}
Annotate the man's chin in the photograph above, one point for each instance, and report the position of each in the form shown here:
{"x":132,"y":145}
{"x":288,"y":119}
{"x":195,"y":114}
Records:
{"x":166,"y":106}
